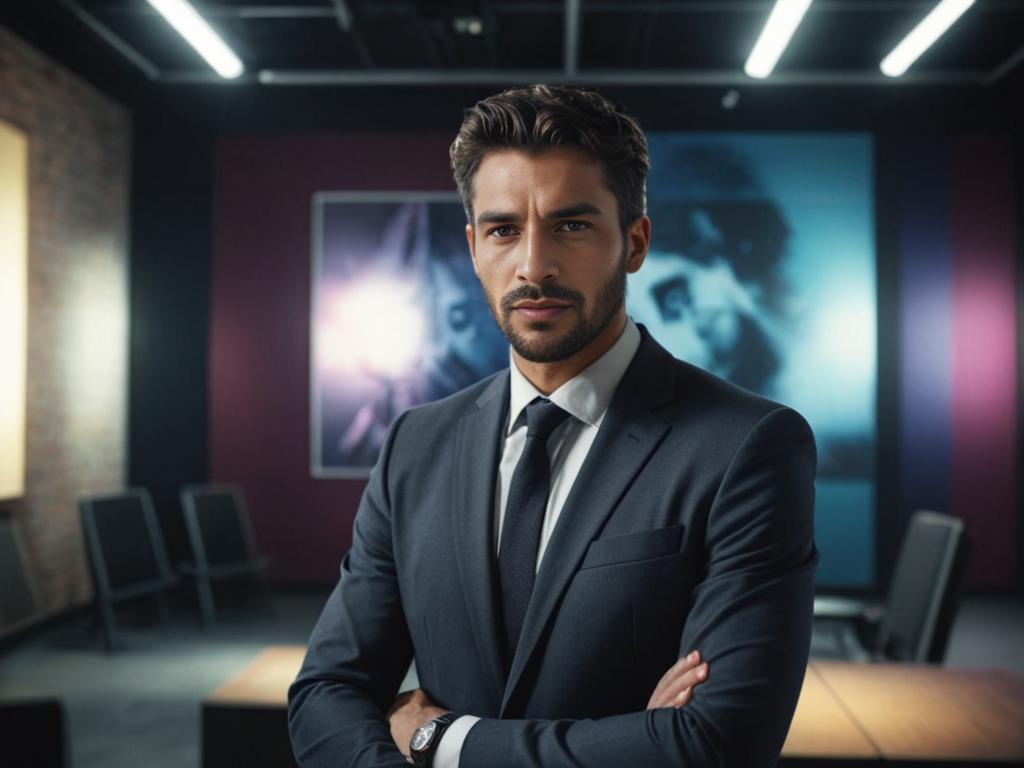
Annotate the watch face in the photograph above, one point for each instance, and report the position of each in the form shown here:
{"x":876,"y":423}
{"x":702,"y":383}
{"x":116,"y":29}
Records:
{"x":423,"y":734}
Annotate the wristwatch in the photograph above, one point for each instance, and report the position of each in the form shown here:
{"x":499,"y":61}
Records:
{"x":426,"y":738}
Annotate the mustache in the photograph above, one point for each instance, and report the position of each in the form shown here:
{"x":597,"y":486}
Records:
{"x":535,"y":293}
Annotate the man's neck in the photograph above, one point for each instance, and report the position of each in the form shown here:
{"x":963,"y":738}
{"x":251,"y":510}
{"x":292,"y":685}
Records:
{"x":547,"y":377}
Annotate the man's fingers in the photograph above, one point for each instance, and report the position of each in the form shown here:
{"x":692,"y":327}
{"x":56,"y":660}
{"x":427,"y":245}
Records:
{"x":689,"y":661}
{"x":682,"y":698}
{"x":687,"y":679}
{"x":688,"y":672}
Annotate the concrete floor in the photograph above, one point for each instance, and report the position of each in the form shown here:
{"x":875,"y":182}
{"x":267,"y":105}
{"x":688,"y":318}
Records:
{"x":141,"y":705}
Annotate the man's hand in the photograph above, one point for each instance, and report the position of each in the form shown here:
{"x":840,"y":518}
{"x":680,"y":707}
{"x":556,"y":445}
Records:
{"x":676,"y":686}
{"x":410,"y":710}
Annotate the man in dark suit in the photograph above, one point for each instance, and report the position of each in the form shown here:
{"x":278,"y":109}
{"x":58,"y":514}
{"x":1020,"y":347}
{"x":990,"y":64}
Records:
{"x":547,"y":542}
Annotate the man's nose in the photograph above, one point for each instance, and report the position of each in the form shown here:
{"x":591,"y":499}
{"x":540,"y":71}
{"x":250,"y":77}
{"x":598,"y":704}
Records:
{"x":536,"y":264}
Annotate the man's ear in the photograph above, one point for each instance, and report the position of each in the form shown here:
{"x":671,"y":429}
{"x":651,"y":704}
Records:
{"x":472,"y":248}
{"x":638,"y":240}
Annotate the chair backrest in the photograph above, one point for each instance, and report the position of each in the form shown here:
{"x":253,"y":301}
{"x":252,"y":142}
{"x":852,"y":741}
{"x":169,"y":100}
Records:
{"x":218,"y":524}
{"x":125,"y":545}
{"x":925,"y":590}
{"x":18,"y":602}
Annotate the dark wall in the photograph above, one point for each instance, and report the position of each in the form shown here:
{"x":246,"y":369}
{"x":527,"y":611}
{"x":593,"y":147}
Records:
{"x":172,"y":204}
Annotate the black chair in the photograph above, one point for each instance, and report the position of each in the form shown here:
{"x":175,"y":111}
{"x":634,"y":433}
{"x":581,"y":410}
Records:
{"x":127,"y":555}
{"x":19,"y":605}
{"x":222,"y":541}
{"x":33,"y":733}
{"x":921,"y":605}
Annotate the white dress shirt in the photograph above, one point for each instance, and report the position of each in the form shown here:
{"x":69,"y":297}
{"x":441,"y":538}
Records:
{"x":586,"y":398}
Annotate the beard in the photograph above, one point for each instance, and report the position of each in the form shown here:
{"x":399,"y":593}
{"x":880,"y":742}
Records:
{"x":587,"y":327}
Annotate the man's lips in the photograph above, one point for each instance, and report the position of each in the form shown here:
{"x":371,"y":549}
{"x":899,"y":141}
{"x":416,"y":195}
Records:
{"x":539,"y":310}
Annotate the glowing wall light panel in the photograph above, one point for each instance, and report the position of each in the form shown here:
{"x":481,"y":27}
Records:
{"x":923,"y":36}
{"x":13,"y":307}
{"x":778,"y":30}
{"x":193,"y":27}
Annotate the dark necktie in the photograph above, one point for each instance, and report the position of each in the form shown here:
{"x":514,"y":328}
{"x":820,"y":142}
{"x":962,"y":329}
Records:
{"x":524,"y":517}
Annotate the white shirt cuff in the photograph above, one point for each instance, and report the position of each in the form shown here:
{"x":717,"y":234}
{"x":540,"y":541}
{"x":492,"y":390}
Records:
{"x":449,"y":749}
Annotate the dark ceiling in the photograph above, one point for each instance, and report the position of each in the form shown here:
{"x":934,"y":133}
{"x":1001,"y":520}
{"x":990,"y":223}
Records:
{"x":464,"y":41}
{"x":327,"y":65}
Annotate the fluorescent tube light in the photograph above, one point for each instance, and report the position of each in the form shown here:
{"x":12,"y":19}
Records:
{"x":921,"y":38}
{"x":183,"y":17}
{"x":782,"y":23}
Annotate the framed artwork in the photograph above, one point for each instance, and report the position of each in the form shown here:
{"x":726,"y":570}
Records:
{"x":398,"y":319}
{"x":762,"y":269}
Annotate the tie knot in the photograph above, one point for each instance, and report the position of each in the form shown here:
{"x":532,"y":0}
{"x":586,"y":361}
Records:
{"x":543,"y":417}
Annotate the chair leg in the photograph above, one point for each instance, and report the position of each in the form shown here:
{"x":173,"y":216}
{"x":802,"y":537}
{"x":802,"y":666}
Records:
{"x":268,"y":602}
{"x":107,"y":619}
{"x":163,"y":610}
{"x":206,"y":606}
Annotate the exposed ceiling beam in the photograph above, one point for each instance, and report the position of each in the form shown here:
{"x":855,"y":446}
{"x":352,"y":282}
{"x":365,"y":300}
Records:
{"x":429,"y":46}
{"x":595,"y":77}
{"x":148,"y":68}
{"x":343,"y":15}
{"x":1006,"y":67}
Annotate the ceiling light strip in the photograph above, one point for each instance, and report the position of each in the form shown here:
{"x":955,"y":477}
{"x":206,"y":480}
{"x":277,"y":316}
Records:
{"x":778,"y":30}
{"x":923,"y":36}
{"x":190,"y":25}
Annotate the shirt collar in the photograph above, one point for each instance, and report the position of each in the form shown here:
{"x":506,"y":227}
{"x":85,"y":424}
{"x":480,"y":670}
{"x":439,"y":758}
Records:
{"x":588,"y":394}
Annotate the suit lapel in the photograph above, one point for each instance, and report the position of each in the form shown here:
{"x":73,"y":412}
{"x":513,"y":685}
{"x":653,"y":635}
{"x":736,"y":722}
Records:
{"x":478,"y":444}
{"x":627,"y":437}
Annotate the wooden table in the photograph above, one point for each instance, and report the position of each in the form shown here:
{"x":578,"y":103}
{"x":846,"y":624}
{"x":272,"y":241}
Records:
{"x":823,"y":730}
{"x":245,"y":721}
{"x":925,"y":713}
{"x":848,"y":715}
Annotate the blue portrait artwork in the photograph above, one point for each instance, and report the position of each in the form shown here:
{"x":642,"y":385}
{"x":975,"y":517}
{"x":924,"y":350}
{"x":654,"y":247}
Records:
{"x":761,"y":270}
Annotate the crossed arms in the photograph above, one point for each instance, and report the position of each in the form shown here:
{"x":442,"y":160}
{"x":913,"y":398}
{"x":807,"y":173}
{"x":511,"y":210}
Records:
{"x":750,"y":616}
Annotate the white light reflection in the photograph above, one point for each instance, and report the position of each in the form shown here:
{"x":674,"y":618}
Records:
{"x":374,"y":326}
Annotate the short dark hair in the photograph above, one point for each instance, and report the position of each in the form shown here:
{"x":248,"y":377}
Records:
{"x":541,"y":116}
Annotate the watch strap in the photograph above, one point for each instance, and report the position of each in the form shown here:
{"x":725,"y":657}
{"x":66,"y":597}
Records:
{"x":424,"y":758}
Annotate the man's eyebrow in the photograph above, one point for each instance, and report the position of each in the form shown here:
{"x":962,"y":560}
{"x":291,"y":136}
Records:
{"x":578,"y":209}
{"x":568,"y":212}
{"x":495,"y":217}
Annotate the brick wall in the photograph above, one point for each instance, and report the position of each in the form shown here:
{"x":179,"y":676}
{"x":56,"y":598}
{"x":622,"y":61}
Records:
{"x":79,"y":150}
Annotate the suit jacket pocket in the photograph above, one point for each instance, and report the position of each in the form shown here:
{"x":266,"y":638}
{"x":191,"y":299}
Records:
{"x":633,"y":547}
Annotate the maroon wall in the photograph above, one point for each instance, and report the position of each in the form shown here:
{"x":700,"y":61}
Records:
{"x":259,"y":327}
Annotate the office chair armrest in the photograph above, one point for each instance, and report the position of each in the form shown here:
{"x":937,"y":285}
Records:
{"x":845,"y":608}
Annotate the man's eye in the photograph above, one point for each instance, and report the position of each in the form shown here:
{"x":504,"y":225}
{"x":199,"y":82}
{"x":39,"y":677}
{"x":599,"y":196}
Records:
{"x":574,"y":226}
{"x":502,"y":231}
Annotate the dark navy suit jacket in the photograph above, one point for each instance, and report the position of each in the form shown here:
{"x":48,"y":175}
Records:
{"x":689,"y":526}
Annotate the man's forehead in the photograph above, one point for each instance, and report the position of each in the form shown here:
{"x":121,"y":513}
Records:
{"x":552,"y":179}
